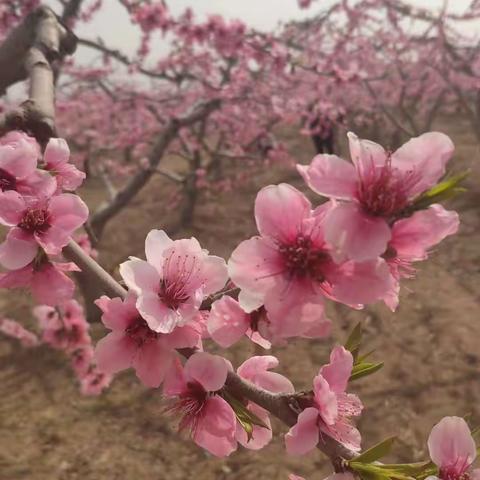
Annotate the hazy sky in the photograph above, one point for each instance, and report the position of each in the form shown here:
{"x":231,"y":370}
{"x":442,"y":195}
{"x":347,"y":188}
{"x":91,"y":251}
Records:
{"x":113,"y":26}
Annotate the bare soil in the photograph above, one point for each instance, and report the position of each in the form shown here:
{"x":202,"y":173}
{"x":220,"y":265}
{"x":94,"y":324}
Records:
{"x":48,"y":431}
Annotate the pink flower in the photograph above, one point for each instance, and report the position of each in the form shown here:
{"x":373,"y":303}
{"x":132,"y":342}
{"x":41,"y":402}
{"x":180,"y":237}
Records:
{"x":375,"y":189}
{"x":18,"y":167}
{"x":132,"y":343}
{"x":256,"y":371}
{"x":48,"y":223}
{"x":46,"y":280}
{"x":452,"y":449}
{"x":13,"y":329}
{"x":56,"y":158}
{"x":206,"y":415}
{"x":82,"y":359}
{"x":331,"y":410}
{"x":228,"y":322}
{"x":65,"y":327}
{"x":290,"y":269}
{"x":411,"y":240}
{"x":174,"y":280}
{"x":94,"y":382}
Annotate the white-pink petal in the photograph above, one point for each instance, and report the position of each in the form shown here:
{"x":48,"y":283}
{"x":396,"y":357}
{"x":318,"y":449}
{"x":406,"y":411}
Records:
{"x":280,"y":211}
{"x":140,"y":276}
{"x":12,"y":206}
{"x":18,"y":249}
{"x":227,"y":322}
{"x":208,"y":370}
{"x":412,"y":237}
{"x":426,"y":157}
{"x":338,"y":371}
{"x":304,"y":435}
{"x":354,"y":234}
{"x":330,"y":176}
{"x":156,"y":243}
{"x":451,"y":444}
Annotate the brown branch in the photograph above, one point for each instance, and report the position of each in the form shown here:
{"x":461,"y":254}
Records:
{"x":30,"y":51}
{"x":106,"y":212}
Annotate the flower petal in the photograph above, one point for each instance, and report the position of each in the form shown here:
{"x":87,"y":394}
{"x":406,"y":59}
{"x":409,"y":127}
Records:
{"x":354,"y":234}
{"x":208,"y":370}
{"x":426,"y":157}
{"x":365,"y":154}
{"x":413,"y":236}
{"x":280,"y":211}
{"x":12,"y":206}
{"x":330,"y":176}
{"x":338,"y":371}
{"x":254,"y":264}
{"x":152,"y":362}
{"x":450,"y":444}
{"x":304,"y":435}
{"x":115,"y":352}
{"x":68,"y":212}
{"x":118,"y":314}
{"x":227,"y":322}
{"x":18,"y":249}
{"x":216,"y":428}
{"x":140,"y":276}
{"x":156,"y":243}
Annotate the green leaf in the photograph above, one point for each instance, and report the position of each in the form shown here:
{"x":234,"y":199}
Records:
{"x":377,"y":451}
{"x":476,"y":434}
{"x":403,"y":471}
{"x":444,"y":190}
{"x":245,"y":417}
{"x":364,"y":369}
{"x":354,"y":339}
{"x":363,"y":357}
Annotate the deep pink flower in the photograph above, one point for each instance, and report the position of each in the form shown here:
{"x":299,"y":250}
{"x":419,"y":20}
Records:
{"x":19,"y":154}
{"x":290,"y":269}
{"x":208,"y":417}
{"x":256,"y":371}
{"x":48,"y":223}
{"x":94,"y":382}
{"x":132,"y":343}
{"x":64,"y":327}
{"x":13,"y":329}
{"x":332,"y":408}
{"x":228,"y":322}
{"x":453,"y":450}
{"x":173,"y":282}
{"x":412,"y":238}
{"x":375,"y":189}
{"x":82,"y":359}
{"x":56,"y":159}
{"x":46,"y":280}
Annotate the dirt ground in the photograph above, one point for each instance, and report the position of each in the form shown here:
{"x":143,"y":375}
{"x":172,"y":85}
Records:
{"x":430,"y":347}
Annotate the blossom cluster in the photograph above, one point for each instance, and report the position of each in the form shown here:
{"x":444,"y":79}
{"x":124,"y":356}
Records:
{"x":353,"y":248}
{"x":40,"y":217}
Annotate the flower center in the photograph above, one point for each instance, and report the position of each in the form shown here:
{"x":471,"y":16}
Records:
{"x":172,"y":295}
{"x":140,"y":332}
{"x":7,"y":181}
{"x":453,"y":473}
{"x":382,"y":190}
{"x":190,"y":406}
{"x":35,"y":220}
{"x":303,"y":259}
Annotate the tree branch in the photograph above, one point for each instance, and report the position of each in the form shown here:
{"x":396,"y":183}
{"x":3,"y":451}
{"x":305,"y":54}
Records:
{"x":29,"y":52}
{"x":100,"y":218}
